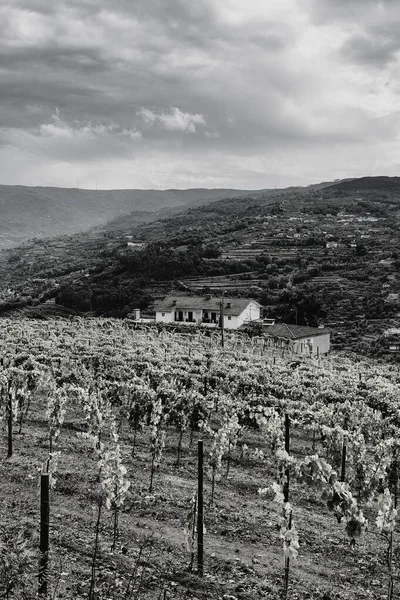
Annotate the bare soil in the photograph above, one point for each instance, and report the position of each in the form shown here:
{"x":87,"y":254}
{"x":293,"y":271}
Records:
{"x":243,"y":552}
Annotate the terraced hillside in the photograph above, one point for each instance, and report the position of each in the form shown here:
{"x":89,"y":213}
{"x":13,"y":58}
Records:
{"x":319,"y":255}
{"x":29,"y":212}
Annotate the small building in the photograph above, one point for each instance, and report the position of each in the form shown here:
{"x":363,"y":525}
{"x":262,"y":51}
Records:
{"x":206,"y":310}
{"x":392,"y":339}
{"x":269,"y":321}
{"x":136,"y":245}
{"x":299,"y":338}
{"x":392,"y":298}
{"x":394,"y":347}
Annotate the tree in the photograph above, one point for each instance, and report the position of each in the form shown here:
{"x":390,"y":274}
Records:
{"x":361,"y":250}
{"x":212,"y":251}
{"x":305,"y":301}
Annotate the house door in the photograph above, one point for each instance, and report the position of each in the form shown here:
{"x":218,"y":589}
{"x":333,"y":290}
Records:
{"x":213,"y":317}
{"x":190,"y":316}
{"x":180,"y":315}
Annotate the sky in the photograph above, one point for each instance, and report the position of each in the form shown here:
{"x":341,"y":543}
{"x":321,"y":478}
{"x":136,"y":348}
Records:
{"x":198,"y":93}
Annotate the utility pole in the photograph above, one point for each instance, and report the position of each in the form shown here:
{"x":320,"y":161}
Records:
{"x":222,"y":320}
{"x":200,"y":525}
{"x":44,"y":534}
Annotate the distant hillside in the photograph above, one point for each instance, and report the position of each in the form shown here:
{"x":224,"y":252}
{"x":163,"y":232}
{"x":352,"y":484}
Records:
{"x":29,"y":212}
{"x":202,"y":212}
{"x":320,"y":254}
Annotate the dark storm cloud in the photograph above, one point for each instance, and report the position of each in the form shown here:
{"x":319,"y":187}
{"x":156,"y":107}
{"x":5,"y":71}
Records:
{"x":114,"y":61}
{"x":162,"y":53}
{"x":371,"y":28}
{"x":345,"y":10}
{"x":196,"y":86}
{"x":376,"y":46}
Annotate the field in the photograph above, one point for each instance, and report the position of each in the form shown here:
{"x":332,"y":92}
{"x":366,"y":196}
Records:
{"x":111,"y":412}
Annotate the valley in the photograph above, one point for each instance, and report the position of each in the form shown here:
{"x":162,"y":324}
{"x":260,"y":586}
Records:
{"x":40,"y":212}
{"x":324,"y":256}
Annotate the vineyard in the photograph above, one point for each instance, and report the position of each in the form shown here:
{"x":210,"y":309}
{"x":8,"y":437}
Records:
{"x":101,"y":425}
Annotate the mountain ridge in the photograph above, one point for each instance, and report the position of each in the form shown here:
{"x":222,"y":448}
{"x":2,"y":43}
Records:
{"x":379,"y":182}
{"x":38,"y":212}
{"x":28,"y":212}
{"x":315,"y":254}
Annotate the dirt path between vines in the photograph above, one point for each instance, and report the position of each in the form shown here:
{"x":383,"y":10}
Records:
{"x":243,"y":552}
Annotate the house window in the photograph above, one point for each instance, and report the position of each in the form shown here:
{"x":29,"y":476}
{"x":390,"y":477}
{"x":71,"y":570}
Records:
{"x":229,"y":318}
{"x":163,"y":314}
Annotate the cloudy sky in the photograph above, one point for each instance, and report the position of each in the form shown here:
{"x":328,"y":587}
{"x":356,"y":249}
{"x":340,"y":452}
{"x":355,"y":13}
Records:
{"x":198,"y":93}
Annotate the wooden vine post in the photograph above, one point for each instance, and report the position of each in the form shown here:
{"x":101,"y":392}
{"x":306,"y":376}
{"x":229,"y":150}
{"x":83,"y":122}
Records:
{"x":200,"y":547}
{"x":344,"y":453}
{"x":394,"y":484}
{"x":286,"y":499}
{"x":95,"y":551}
{"x":193,"y":533}
{"x":9,"y":426}
{"x":343,"y":465}
{"x":44,"y":533}
{"x":222,"y":322}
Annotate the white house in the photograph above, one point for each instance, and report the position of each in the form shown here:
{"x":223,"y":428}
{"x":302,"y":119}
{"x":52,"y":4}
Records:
{"x":393,"y":341}
{"x":206,"y":310}
{"x":136,"y":245}
{"x":299,"y":338}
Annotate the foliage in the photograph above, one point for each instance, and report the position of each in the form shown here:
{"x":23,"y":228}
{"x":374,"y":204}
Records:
{"x":17,"y":565}
{"x":115,"y":376}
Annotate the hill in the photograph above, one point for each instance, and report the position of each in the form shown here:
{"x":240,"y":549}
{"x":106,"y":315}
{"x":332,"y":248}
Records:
{"x":312,"y":255}
{"x":37,"y":212}
{"x":383,"y":183}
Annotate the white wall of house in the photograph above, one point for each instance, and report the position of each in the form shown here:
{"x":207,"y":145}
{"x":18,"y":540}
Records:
{"x":165,"y":317}
{"x":231,"y":322}
{"x":250,"y":313}
{"x":319,"y":344}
